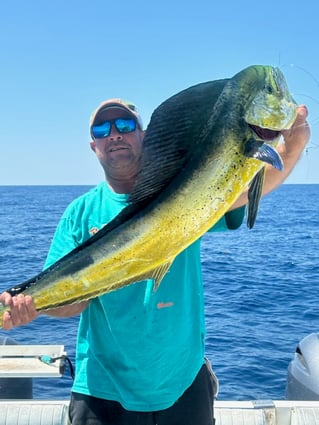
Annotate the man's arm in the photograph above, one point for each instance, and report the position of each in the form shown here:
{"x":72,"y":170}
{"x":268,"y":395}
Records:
{"x":295,"y":140}
{"x":23,"y":311}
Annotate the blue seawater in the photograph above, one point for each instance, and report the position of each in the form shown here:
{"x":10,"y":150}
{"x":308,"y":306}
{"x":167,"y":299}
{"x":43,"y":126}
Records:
{"x":260,"y":285}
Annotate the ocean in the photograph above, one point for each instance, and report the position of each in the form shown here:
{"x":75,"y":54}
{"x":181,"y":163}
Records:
{"x":260,"y":285}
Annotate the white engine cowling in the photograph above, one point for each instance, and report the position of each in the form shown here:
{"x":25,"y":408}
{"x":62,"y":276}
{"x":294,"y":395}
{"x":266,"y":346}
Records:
{"x":303,"y":370}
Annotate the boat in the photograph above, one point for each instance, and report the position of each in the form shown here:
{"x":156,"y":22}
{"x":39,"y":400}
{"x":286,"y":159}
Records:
{"x":26,"y":361}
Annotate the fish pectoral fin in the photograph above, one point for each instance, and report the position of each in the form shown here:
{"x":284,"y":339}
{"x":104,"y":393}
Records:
{"x":254,"y":195}
{"x":264,"y":152}
{"x":159,"y":273}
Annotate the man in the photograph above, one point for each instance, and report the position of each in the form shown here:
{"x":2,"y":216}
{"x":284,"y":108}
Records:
{"x":140,"y":354}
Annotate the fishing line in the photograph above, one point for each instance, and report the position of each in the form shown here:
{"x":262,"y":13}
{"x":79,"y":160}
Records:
{"x":312,"y":144}
{"x":313,"y":122}
{"x":314,"y":79}
{"x":292,"y":65}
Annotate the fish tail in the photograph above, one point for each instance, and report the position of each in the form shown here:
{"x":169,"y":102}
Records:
{"x":3,"y":309}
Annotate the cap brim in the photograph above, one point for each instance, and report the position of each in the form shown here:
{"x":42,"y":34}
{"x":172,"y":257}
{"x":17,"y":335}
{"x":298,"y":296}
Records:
{"x":120,"y":104}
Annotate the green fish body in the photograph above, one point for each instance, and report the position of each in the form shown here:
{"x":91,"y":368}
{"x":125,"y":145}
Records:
{"x":202,"y":149}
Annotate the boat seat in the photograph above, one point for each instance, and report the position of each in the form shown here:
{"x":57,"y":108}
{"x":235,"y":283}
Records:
{"x":34,"y":412}
{"x":235,"y":416}
{"x":305,"y":416}
{"x":32,"y":361}
{"x":267,"y":412}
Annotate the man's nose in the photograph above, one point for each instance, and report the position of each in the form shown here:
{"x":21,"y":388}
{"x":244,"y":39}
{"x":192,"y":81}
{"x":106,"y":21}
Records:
{"x":114,"y":133}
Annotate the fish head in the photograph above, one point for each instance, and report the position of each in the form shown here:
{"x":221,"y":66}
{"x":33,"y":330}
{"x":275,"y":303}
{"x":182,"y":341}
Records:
{"x":272,"y":107}
{"x":266,"y":108}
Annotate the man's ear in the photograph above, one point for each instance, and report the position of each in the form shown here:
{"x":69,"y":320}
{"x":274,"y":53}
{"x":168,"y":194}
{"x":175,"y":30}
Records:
{"x":92,"y":145}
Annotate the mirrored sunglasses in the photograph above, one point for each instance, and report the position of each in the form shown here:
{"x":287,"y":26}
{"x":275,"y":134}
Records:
{"x":122,"y":125}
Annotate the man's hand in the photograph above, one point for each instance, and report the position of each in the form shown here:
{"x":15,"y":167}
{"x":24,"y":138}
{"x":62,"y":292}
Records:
{"x":297,"y":137}
{"x":22,"y":310}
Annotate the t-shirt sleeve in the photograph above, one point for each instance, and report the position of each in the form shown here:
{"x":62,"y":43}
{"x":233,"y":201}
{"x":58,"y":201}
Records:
{"x":230,"y":221}
{"x":235,"y":218}
{"x":62,"y":243}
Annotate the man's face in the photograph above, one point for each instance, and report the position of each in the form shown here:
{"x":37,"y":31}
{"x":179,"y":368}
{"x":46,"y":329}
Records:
{"x":119,"y":153}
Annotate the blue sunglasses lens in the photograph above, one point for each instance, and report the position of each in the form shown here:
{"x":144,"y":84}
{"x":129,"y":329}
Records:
{"x":123,"y":125}
{"x":102,"y":130}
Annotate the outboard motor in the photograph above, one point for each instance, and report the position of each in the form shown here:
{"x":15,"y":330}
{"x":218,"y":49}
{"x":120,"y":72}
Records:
{"x":14,"y":388}
{"x":303,"y":370}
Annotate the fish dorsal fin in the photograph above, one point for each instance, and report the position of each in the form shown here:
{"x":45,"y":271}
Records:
{"x":172,"y":137}
{"x":254,"y":195}
{"x":266,"y":153}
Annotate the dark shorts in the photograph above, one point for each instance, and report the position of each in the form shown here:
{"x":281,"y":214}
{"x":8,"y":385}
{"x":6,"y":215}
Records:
{"x":194,"y":407}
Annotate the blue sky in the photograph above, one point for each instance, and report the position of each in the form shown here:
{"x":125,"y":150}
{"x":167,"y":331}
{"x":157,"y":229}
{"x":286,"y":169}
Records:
{"x":60,"y":59}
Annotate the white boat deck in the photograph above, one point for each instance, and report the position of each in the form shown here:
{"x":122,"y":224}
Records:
{"x":277,"y":412}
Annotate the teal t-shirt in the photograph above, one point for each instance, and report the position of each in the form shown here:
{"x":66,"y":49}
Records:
{"x":140,"y":347}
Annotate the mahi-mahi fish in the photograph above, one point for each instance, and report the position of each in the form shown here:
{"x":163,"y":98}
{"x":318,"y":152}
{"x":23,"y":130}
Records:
{"x":203,"y":147}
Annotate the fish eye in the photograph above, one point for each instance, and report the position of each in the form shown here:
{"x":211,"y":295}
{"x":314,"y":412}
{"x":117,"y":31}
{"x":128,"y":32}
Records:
{"x":269,"y":89}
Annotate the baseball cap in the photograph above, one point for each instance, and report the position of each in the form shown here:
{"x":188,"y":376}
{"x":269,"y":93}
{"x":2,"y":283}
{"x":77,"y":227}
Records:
{"x":120,"y":104}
